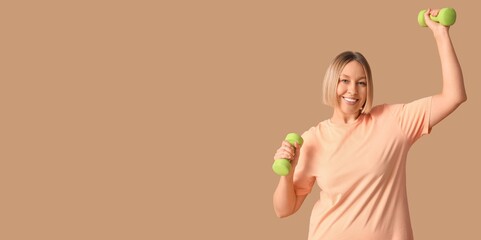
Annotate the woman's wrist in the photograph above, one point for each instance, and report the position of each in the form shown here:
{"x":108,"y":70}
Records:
{"x":441,"y":34}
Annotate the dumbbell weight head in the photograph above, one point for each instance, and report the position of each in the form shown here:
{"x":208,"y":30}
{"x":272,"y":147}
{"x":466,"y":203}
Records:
{"x":446,"y":17}
{"x":281,"y":167}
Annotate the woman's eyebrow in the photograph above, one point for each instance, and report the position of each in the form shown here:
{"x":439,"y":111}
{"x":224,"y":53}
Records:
{"x":346,"y":76}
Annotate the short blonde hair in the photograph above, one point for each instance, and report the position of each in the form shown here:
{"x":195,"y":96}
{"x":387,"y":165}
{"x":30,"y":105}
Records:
{"x":333,"y":73}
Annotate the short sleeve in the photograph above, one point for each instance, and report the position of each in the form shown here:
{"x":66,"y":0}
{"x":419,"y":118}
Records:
{"x":414,"y":118}
{"x":303,"y":177}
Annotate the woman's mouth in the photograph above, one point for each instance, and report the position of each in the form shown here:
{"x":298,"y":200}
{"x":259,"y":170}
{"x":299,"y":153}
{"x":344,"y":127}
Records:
{"x":350,"y":101}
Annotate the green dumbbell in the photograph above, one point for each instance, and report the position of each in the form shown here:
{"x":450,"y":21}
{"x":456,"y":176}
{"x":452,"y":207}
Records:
{"x":282,"y":166}
{"x":446,"y":17}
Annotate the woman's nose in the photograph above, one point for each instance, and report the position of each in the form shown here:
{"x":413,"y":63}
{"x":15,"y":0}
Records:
{"x":352,"y":89}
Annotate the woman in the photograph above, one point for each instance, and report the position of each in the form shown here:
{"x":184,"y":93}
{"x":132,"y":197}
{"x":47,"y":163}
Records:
{"x":358,"y":156}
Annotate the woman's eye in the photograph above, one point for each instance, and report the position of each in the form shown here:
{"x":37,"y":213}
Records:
{"x":344,"y":80}
{"x":362,"y":83}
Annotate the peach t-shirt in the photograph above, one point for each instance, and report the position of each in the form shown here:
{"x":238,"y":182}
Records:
{"x":360,"y":168}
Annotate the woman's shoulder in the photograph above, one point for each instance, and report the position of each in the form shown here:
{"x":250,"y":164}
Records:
{"x":385,"y":108}
{"x":396,"y":107}
{"x":315,"y":130}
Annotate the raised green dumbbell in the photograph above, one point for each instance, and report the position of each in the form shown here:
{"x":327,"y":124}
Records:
{"x":446,"y":17}
{"x":282,"y":166}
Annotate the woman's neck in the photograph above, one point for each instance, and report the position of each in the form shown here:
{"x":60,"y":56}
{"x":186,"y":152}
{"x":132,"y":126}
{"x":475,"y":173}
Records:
{"x":340,"y":117}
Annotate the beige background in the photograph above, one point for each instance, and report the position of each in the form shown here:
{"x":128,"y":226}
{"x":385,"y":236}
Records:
{"x":149,"y":120}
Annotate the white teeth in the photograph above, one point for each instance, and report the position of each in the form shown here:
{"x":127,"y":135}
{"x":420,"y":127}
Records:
{"x":350,"y":99}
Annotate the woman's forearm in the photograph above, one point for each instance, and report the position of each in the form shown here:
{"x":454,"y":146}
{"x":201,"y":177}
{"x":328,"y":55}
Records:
{"x":285,"y":197}
{"x":453,"y":82}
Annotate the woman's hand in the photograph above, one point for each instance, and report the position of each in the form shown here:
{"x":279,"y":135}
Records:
{"x":289,"y":152}
{"x":434,"y":26}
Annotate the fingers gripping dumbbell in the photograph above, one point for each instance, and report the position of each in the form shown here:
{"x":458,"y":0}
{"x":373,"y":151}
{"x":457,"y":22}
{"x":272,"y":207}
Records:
{"x":282,"y":166}
{"x":446,"y":17}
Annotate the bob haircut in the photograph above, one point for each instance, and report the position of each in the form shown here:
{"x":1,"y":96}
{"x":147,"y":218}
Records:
{"x":333,"y":73}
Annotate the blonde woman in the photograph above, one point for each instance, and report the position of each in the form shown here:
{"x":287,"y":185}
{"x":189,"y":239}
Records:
{"x":358,"y":156}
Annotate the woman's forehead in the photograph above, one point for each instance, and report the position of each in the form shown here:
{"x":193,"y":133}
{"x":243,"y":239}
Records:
{"x":353,"y":69}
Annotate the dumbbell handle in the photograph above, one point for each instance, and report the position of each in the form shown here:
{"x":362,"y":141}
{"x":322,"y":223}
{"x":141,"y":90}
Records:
{"x":282,"y":166}
{"x":446,"y":17}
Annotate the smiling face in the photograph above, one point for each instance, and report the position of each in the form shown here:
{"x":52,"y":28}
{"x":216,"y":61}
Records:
{"x":351,"y":91}
{"x":347,"y":86}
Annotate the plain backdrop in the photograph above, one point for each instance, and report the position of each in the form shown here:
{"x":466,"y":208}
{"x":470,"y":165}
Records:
{"x":160,"y":119}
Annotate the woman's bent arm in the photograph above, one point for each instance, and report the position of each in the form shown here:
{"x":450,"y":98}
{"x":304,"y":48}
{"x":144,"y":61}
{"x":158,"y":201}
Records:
{"x":286,"y":202}
{"x":453,"y":91}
